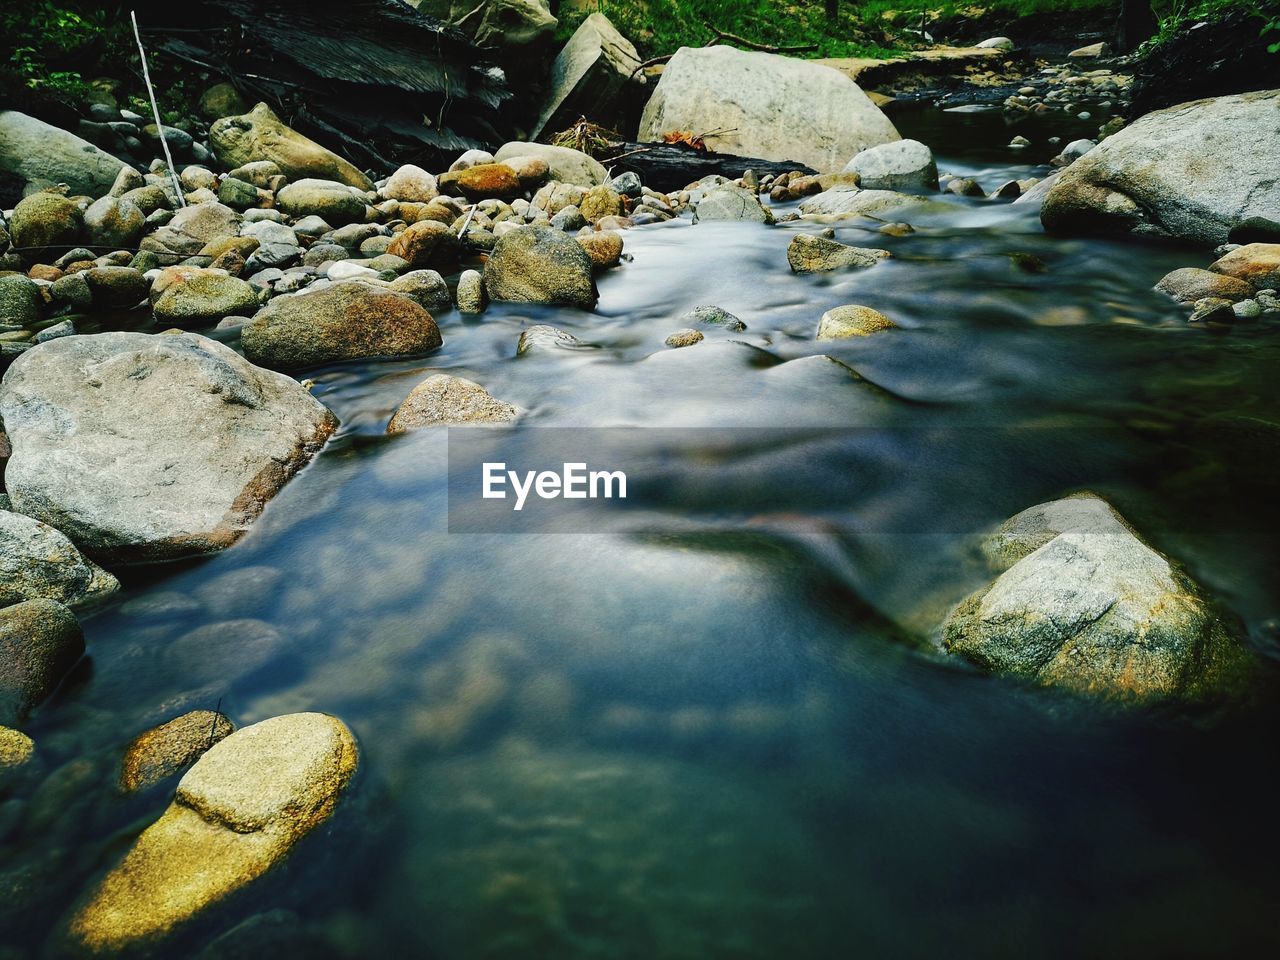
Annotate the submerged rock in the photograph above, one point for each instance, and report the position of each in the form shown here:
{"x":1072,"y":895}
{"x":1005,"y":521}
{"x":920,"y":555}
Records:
{"x":260,"y":135}
{"x":852,"y":320}
{"x":540,"y":265}
{"x":542,"y":338}
{"x":38,"y":562}
{"x":237,"y":813}
{"x":713,"y":316}
{"x":163,"y":751}
{"x":765,"y":105}
{"x":444,"y":399}
{"x":344,"y":321}
{"x":40,"y":641}
{"x":142,"y":447}
{"x":1085,"y":605}
{"x":1183,"y":172}
{"x":809,"y":254}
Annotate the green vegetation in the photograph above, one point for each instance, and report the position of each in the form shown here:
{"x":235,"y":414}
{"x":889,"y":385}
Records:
{"x":1175,"y":16}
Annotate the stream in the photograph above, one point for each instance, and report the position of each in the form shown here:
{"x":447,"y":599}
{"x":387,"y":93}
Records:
{"x":715,"y":722}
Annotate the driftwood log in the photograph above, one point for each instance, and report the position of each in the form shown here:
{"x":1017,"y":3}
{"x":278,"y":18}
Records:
{"x":671,"y":166}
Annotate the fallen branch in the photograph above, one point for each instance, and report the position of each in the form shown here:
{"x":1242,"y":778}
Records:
{"x":763,"y":47}
{"x":155,"y":109}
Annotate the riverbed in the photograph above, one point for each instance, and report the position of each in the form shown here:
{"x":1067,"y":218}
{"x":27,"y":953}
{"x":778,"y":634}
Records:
{"x":719,"y":724}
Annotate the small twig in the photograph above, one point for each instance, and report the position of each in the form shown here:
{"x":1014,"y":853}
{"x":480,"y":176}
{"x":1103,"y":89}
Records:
{"x":213,"y":727}
{"x":764,"y":47}
{"x":155,"y":109}
{"x":650,"y":63}
{"x":462,"y":232}
{"x":621,"y":156}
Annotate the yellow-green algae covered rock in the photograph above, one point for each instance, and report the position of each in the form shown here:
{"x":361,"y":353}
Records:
{"x":15,"y":748}
{"x":236,"y":814}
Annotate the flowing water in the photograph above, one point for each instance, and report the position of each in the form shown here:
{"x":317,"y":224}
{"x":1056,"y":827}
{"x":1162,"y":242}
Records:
{"x":718,"y":724}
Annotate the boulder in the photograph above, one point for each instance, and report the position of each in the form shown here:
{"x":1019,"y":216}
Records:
{"x":161,"y":752}
{"x":731,"y":202}
{"x":600,"y":202}
{"x":901,"y":165}
{"x":38,"y":562}
{"x":470,"y":293}
{"x":995,"y":43}
{"x":41,"y":154}
{"x":504,"y":24}
{"x":1182,"y":172}
{"x":113,"y":223}
{"x":260,"y":135}
{"x":809,"y":254}
{"x":540,"y":265}
{"x":343,"y":321}
{"x":443,"y":399}
{"x":207,"y":221}
{"x":604,"y":248}
{"x":19,"y":301}
{"x":563,"y":163}
{"x":852,"y":320}
{"x":411,"y":184}
{"x":426,"y":243}
{"x":1255,"y":263}
{"x":43,"y":223}
{"x":594,"y":76}
{"x":144,"y":447}
{"x":1082,"y":603}
{"x":1189,"y":284}
{"x":764,"y":105}
{"x":482,"y":181}
{"x":236,"y":814}
{"x":40,"y":641}
{"x":426,"y":287}
{"x":15,"y":749}
{"x":846,"y":201}
{"x":334,"y":202}
{"x":544,"y":338}
{"x":684,"y":337}
{"x":713,"y":316}
{"x":115,"y":288}
{"x":192,"y":296}
{"x":221,"y":100}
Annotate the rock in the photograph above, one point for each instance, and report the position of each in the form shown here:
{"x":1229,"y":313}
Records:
{"x":852,"y":321}
{"x":1083,"y":604}
{"x":600,"y":202}
{"x":504,"y":24}
{"x":38,"y":562}
{"x":19,"y":301}
{"x":173,"y":746}
{"x":471,"y":158}
{"x":40,"y":641}
{"x":41,"y":154}
{"x":1099,"y":49}
{"x":221,"y":100}
{"x":1247,"y":310}
{"x":563,"y":164}
{"x":15,"y":749}
{"x":471,"y":295}
{"x":1177,"y":172}
{"x":141,"y":447}
{"x":1072,"y":152}
{"x":443,"y":399}
{"x":240,"y":194}
{"x":1212,"y":309}
{"x":686,"y":337}
{"x":594,"y":76}
{"x":114,"y":223}
{"x":412,"y":184}
{"x":236,"y":814}
{"x":965,"y":187}
{"x":713,"y":316}
{"x":730,"y":202}
{"x":344,"y":321}
{"x":604,"y":249}
{"x":771,"y":107}
{"x":540,"y":265}
{"x":542,"y":338}
{"x":115,"y":288}
{"x":482,"y":181}
{"x":901,"y":165}
{"x":207,"y":221}
{"x":996,"y":43}
{"x":260,"y":135}
{"x":1255,"y":263}
{"x":424,"y":244}
{"x":426,"y":287}
{"x":845,"y":201}
{"x":195,"y":297}
{"x":810,"y":254}
{"x":329,"y":199}
{"x":43,"y":222}
{"x":1255,"y":230}
{"x":1189,"y":284}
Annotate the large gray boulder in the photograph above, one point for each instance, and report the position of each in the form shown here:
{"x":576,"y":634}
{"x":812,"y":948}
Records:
{"x":1085,"y":605}
{"x":36,"y":561}
{"x":765,"y":105}
{"x":594,"y":76}
{"x":236,"y":815}
{"x":149,"y":447}
{"x":43,"y":154}
{"x":343,"y":321}
{"x":1193,"y":172}
{"x":540,"y":265}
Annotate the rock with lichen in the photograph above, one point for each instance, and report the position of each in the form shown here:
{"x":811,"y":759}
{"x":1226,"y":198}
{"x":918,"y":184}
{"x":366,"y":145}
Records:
{"x":173,"y":746}
{"x":444,"y":399}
